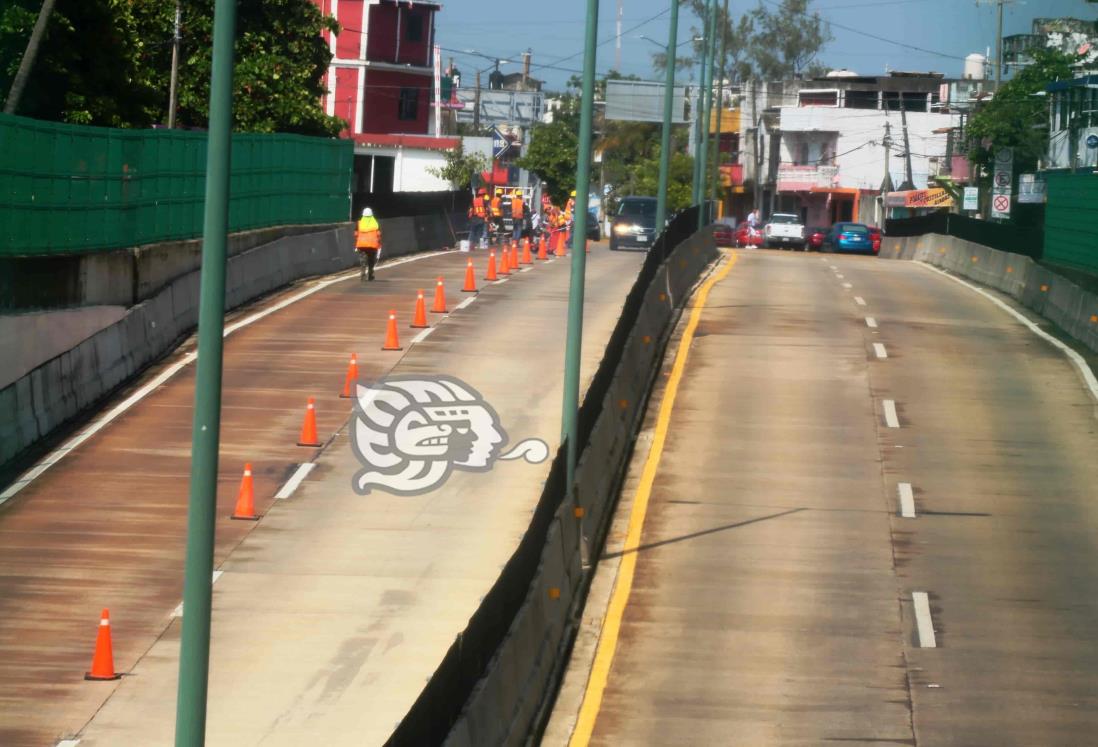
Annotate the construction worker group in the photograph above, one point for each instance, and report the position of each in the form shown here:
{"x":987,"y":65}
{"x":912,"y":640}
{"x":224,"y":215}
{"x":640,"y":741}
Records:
{"x":486,"y":215}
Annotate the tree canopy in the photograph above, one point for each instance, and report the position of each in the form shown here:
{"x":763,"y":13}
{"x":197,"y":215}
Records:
{"x":108,"y":62}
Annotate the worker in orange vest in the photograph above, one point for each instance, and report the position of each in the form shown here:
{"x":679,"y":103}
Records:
{"x":518,"y":214}
{"x":496,"y":208}
{"x":569,"y":215}
{"x":478,"y":215}
{"x":367,"y":244}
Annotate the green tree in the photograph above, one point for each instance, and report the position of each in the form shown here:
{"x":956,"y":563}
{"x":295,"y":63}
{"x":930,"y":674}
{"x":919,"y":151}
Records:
{"x":552,"y":155}
{"x":460,"y":167}
{"x":1016,"y":117}
{"x":645,"y":178}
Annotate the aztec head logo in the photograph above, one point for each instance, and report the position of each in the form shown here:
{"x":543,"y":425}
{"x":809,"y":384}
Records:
{"x":411,"y":432}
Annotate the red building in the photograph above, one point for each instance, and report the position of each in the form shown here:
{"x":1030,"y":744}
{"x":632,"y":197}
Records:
{"x":381,"y":78}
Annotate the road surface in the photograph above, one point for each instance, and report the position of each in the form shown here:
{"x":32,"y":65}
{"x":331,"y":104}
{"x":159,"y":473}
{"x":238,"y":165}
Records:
{"x":331,"y":612}
{"x":872,"y":521}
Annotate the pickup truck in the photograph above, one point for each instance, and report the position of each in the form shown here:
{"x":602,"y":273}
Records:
{"x":784,"y":229}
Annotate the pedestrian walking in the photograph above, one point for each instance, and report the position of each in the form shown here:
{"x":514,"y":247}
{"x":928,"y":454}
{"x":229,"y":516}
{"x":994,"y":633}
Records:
{"x":478,"y":214}
{"x":367,"y":244}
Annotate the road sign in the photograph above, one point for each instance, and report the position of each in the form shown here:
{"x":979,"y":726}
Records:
{"x":972,"y":198}
{"x":1004,"y":171}
{"x":1031,"y":189}
{"x":1000,"y":205}
{"x":1004,"y":158}
{"x":1002,"y":179}
{"x":1092,"y":140}
{"x":500,"y":144}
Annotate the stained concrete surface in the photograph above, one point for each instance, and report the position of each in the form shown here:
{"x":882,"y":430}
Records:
{"x":30,"y":339}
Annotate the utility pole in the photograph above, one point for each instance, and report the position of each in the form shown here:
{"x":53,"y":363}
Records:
{"x":711,"y":53}
{"x":999,"y":48}
{"x":194,"y":655}
{"x":698,"y":110}
{"x":716,"y":179}
{"x":665,"y":134}
{"x":886,"y":184}
{"x":617,"y":49}
{"x":172,"y":90}
{"x":908,"y":182}
{"x":25,"y":65}
{"x":574,"y":340}
{"x":476,"y":106}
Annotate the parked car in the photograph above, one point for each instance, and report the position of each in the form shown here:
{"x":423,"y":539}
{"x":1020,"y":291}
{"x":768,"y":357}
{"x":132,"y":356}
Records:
{"x":848,"y":237}
{"x":747,"y":235}
{"x":784,"y":229}
{"x":814,"y":238}
{"x":634,"y":225}
{"x":723,"y":235}
{"x":875,"y":237}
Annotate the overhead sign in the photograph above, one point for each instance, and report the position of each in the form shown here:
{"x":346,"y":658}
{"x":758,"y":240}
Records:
{"x":1000,"y":205}
{"x":1003,"y":175}
{"x":920,"y":198}
{"x":1092,"y":140}
{"x":972,"y":198}
{"x":1031,"y":189}
{"x":500,"y":143}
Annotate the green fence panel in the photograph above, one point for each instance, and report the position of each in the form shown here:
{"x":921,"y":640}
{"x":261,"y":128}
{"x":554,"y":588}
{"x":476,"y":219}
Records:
{"x":70,"y":189}
{"x":1071,"y":220}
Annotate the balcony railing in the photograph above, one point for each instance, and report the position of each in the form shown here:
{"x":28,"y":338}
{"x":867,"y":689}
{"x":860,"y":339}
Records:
{"x":806,"y":178}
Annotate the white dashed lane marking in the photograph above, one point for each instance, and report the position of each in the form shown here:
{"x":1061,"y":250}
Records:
{"x":923,"y":620}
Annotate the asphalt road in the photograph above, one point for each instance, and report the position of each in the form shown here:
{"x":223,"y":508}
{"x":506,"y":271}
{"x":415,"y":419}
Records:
{"x":331,"y":612}
{"x":781,"y":596}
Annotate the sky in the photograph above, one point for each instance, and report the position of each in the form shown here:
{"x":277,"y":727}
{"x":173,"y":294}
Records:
{"x":554,"y":31}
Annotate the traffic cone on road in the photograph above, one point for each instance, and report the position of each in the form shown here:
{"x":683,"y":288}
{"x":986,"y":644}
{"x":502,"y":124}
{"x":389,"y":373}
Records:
{"x":543,"y":248}
{"x":102,"y":666}
{"x":470,"y":278}
{"x":514,"y":256}
{"x":504,"y":262}
{"x":392,"y":341}
{"x":491,"y":274}
{"x":245,"y":498}
{"x":526,"y":258}
{"x":351,"y":378}
{"x":587,"y":246}
{"x":419,"y":320}
{"x":308,"y":427}
{"x":558,"y":249}
{"x":439,"y":306}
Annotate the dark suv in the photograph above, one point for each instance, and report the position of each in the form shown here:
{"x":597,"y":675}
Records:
{"x":634,"y":225}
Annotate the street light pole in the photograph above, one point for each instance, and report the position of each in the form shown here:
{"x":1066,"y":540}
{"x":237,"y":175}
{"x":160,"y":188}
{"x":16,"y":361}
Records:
{"x":579,"y":247}
{"x":707,"y":107}
{"x":698,"y":111}
{"x":665,"y":135}
{"x":716,"y":176}
{"x":194,"y":656}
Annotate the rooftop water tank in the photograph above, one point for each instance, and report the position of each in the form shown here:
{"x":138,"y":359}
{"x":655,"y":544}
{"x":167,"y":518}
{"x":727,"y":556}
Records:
{"x":844,"y":73}
{"x":975,"y":64}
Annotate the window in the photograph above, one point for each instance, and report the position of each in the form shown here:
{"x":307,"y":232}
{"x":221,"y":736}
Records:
{"x":414,"y":28}
{"x":408,"y":106}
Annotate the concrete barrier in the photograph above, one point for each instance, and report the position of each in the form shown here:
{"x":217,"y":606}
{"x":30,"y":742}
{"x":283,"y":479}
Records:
{"x":1035,"y":286}
{"x":62,"y":387}
{"x":509,"y":703}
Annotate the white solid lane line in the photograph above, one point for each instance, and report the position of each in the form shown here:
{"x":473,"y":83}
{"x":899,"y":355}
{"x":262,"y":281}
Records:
{"x":99,"y":424}
{"x":178,"y":611}
{"x":1078,"y":360}
{"x":892,"y":420}
{"x":68,"y":743}
{"x":422,"y":335}
{"x":859,"y":300}
{"x":871,"y":322}
{"x":847,"y":285}
{"x":879,"y":350}
{"x":526,"y":269}
{"x":907,"y":500}
{"x":923,"y":620}
{"x":465,"y":303}
{"x":295,"y":479}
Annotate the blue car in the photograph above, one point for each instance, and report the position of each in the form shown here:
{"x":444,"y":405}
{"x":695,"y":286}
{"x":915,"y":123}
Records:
{"x":848,"y":237}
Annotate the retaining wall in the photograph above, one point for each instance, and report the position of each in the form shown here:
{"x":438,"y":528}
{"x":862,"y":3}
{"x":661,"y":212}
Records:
{"x":519,"y":674}
{"x":1036,"y":287}
{"x":56,"y":391}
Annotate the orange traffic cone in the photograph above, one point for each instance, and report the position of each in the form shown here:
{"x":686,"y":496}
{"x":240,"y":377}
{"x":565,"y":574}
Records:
{"x":419,"y":320}
{"x":491,"y":274}
{"x":526,"y":258}
{"x":470,"y":278}
{"x":587,"y":247}
{"x":504,"y":262}
{"x":351,"y":378}
{"x":439,"y":306}
{"x":392,"y":341}
{"x":513,"y":260}
{"x":308,"y":428}
{"x":245,"y":499}
{"x":102,"y":667}
{"x":558,"y":249}
{"x":542,"y":248}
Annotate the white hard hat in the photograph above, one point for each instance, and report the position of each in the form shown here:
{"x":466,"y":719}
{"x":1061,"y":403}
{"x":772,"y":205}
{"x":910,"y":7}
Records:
{"x":367,"y":213}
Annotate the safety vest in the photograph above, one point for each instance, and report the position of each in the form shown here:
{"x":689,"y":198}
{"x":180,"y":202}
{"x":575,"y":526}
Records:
{"x":478,"y":207}
{"x":516,"y":207}
{"x":368,"y":235}
{"x":497,"y":207}
{"x":569,"y":207}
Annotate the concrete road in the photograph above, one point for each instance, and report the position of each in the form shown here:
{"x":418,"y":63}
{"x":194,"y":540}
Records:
{"x":332,"y":611}
{"x":779,"y":596}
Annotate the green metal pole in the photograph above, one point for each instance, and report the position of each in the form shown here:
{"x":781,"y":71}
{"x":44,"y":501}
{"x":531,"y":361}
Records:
{"x":715,"y":180}
{"x":665,"y":135}
{"x":194,"y":656}
{"x":696,"y":192}
{"x":707,"y":108}
{"x":579,"y":244}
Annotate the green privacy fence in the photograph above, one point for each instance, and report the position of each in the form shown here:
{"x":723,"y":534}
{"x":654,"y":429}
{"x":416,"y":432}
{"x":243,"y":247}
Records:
{"x":69,"y":188}
{"x":1071,"y":220}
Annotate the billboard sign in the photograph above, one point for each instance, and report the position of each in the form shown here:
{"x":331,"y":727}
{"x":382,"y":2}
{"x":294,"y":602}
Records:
{"x":642,"y":101}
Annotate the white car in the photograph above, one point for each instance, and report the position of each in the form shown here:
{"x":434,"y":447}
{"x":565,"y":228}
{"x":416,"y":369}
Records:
{"x":784,"y":229}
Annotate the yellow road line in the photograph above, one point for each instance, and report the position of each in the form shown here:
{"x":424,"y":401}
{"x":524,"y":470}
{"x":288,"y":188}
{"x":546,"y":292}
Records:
{"x":611,"y":624}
